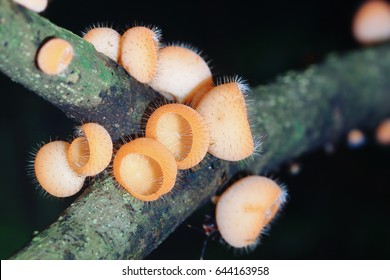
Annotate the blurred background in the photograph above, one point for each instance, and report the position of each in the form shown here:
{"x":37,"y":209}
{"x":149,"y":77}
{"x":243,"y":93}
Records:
{"x":338,"y":204}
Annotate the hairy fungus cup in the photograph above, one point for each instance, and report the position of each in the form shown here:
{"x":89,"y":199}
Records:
{"x":224,"y":110}
{"x":33,"y":5}
{"x":145,"y":168}
{"x":182,"y":130}
{"x":182,"y":74}
{"x":371,"y":23}
{"x":139,"y":52}
{"x":53,"y":171}
{"x":105,"y":40}
{"x":91,"y":153}
{"x":54,"y":56}
{"x":245,"y":208}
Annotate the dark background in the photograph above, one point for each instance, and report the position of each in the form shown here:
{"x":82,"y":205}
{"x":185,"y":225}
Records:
{"x":339,"y":204}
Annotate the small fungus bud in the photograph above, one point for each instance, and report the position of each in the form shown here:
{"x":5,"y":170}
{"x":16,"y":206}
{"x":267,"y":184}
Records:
{"x":54,"y":56}
{"x":371,"y":23}
{"x":355,"y":138}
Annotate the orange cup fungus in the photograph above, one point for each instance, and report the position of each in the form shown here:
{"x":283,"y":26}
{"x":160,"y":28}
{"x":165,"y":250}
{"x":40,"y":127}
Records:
{"x":245,"y":208}
{"x":54,"y":56}
{"x":139,"y":52}
{"x":33,"y":5}
{"x":181,"y":74}
{"x":91,"y":153}
{"x":371,"y":23}
{"x":225,"y":112}
{"x":145,"y":168}
{"x":383,"y":132}
{"x":355,"y":138}
{"x":182,"y":130}
{"x":105,"y":40}
{"x":53,"y":171}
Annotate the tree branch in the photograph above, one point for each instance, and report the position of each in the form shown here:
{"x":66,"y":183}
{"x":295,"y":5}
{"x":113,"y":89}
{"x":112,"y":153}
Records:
{"x":299,"y":112}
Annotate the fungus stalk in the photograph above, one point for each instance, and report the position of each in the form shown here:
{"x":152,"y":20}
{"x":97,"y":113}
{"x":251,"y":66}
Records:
{"x":299,"y":112}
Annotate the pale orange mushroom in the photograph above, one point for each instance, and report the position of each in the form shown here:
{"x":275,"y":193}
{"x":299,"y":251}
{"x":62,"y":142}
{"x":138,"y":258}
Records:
{"x":54,"y":56}
{"x":383,"y":132}
{"x":245,"y":208}
{"x":53,"y":171}
{"x":182,"y":130}
{"x":139,"y":52}
{"x":182,"y":74}
{"x":105,"y":40}
{"x":145,"y":168}
{"x":91,"y":153}
{"x":224,"y":110}
{"x":371,"y":23}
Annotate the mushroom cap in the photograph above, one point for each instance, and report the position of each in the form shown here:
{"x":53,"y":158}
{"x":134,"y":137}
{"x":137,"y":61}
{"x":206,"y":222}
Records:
{"x":355,"y":138}
{"x":371,"y":23}
{"x":224,"y":110}
{"x":91,"y":153}
{"x":34,"y":5}
{"x":383,"y":132}
{"x":139,"y":52}
{"x":145,"y":168}
{"x":53,"y":171}
{"x":54,"y":56}
{"x":105,"y":40}
{"x":245,"y":208}
{"x":181,"y":74}
{"x":182,"y":130}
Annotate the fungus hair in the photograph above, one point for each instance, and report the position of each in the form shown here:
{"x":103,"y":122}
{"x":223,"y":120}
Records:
{"x":371,"y":23}
{"x":225,"y":112}
{"x":105,"y":40}
{"x":91,"y":153}
{"x":54,"y":56}
{"x":182,"y":74}
{"x":139,"y":52}
{"x":182,"y":130}
{"x":33,"y":5}
{"x":245,"y":208}
{"x":53,"y":171}
{"x":145,"y":168}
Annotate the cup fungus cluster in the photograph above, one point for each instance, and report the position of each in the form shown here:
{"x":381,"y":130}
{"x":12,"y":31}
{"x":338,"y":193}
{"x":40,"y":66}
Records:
{"x":205,"y":118}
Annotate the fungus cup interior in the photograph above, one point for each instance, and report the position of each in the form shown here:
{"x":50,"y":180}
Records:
{"x":145,"y":168}
{"x":182,"y":131}
{"x":54,"y":56}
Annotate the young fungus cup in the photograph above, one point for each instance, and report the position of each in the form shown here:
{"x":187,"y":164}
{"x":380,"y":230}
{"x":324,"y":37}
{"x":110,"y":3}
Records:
{"x":224,"y":110}
{"x":145,"y":168}
{"x":54,"y":56}
{"x":105,"y":40}
{"x":371,"y":23}
{"x":245,"y":208}
{"x":53,"y":171}
{"x":182,"y":131}
{"x":91,"y":153}
{"x":182,"y":74}
{"x":139,"y":52}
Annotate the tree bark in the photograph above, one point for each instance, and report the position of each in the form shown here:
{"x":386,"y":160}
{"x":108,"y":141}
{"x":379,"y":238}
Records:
{"x":297,"y":113}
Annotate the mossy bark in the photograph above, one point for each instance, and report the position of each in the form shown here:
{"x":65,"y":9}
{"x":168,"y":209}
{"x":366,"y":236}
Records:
{"x":297,"y":113}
